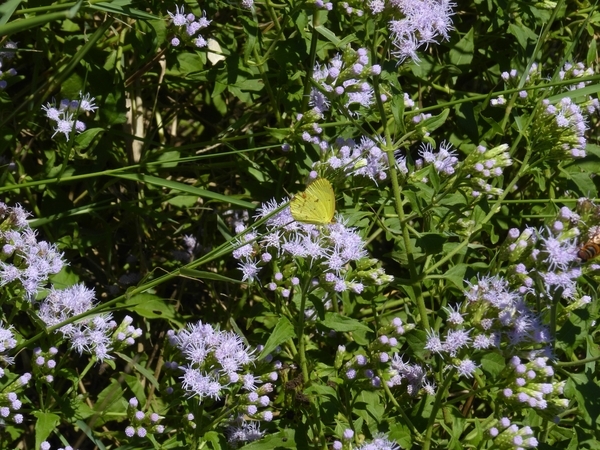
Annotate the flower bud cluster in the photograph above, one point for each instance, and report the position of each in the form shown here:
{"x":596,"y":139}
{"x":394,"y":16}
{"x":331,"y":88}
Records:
{"x":63,"y":114}
{"x":44,"y":364}
{"x":518,"y":244}
{"x":320,"y":4}
{"x":25,"y":262}
{"x":345,"y":81}
{"x":46,"y":446}
{"x":512,"y":80}
{"x":483,"y":164}
{"x":218,"y":363}
{"x":557,"y":130}
{"x":509,"y":436}
{"x":9,"y":400}
{"x":575,"y":71}
{"x":346,"y":440}
{"x":142,"y":423}
{"x":381,"y":358}
{"x":6,"y":54}
{"x":187,"y":27}
{"x":379,"y":442}
{"x":527,"y":385}
{"x":363,"y":159}
{"x":560,"y":129}
{"x":125,"y":334}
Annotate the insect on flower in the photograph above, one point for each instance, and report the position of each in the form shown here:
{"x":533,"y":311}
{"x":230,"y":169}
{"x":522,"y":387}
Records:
{"x":316,"y":205}
{"x":591,"y":248}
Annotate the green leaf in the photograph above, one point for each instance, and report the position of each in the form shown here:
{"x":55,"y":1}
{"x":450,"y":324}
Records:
{"x":83,"y":140}
{"x":149,"y":306}
{"x":122,"y":8}
{"x":585,"y":183}
{"x":456,"y":275}
{"x":214,"y":438}
{"x":90,"y":434}
{"x":7,"y":9}
{"x":522,"y":33}
{"x":576,"y":93}
{"x":45,"y":424}
{"x":35,"y":21}
{"x":337,"y":322}
{"x":183,"y":201}
{"x":462,"y":52}
{"x":492,"y":364}
{"x":141,"y":369}
{"x":435,"y":122}
{"x":328,"y":34}
{"x":176,"y":186}
{"x":202,"y":275}
{"x":283,"y":331}
{"x":283,"y":439}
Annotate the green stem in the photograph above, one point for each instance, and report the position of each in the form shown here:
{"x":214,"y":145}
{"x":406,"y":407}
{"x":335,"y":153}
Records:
{"x":436,"y":407}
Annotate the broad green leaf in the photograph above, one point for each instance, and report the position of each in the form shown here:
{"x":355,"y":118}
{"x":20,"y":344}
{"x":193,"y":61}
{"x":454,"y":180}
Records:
{"x":434,"y":122}
{"x":45,"y":424}
{"x":461,"y":53}
{"x":283,"y":331}
{"x":456,"y":275}
{"x":493,"y":364}
{"x":141,"y":369}
{"x":280,"y":440}
{"x":149,"y":306}
{"x":337,"y":322}
{"x":328,"y":34}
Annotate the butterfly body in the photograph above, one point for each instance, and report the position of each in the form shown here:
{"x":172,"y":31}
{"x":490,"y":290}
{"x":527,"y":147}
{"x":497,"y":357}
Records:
{"x":591,"y":248}
{"x":316,"y":205}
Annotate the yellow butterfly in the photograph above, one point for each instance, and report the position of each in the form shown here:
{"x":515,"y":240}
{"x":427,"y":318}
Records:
{"x":316,"y":205}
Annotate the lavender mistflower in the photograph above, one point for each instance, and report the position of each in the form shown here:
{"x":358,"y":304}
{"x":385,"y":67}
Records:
{"x":187,"y":27}
{"x":242,"y":431}
{"x":64,"y":115}
{"x":424,"y":22}
{"x":90,"y":334}
{"x":444,"y":161}
{"x":379,"y":442}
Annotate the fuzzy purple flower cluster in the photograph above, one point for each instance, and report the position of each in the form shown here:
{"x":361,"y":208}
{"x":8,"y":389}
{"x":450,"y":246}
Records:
{"x":332,"y":255}
{"x":348,"y":157}
{"x":413,"y":24}
{"x":218,"y":363}
{"x":97,"y":334}
{"x":345,"y":81}
{"x":187,"y":27}
{"x":64,"y":114}
{"x":25,"y":262}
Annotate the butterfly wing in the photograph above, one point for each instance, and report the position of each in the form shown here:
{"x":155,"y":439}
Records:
{"x":316,"y":205}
